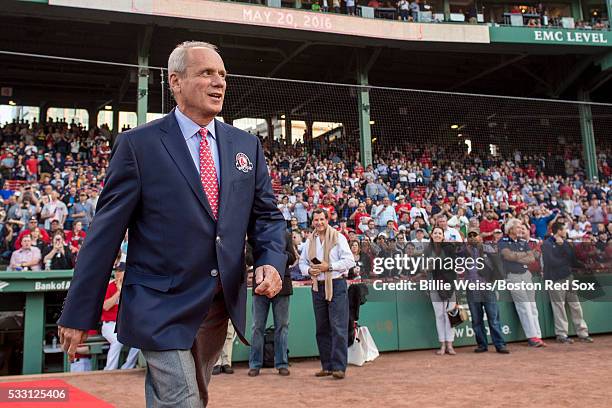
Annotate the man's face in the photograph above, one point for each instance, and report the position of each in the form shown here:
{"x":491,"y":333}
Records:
{"x":473,"y":238}
{"x":371,"y":225}
{"x":201,"y":88}
{"x":26,"y":242}
{"x":522,"y":231}
{"x":442,"y":222}
{"x":319,"y":222}
{"x":32,"y":224}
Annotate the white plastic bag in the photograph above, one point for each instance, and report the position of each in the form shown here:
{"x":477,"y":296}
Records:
{"x":363,"y":349}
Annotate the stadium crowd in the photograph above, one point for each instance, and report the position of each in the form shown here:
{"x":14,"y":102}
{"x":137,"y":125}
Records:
{"x":51,"y":175}
{"x":53,"y":172}
{"x":399,"y":199}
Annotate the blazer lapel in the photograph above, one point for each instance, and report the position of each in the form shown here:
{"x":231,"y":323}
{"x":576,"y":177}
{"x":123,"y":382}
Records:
{"x":174,"y":142}
{"x":226,"y":150}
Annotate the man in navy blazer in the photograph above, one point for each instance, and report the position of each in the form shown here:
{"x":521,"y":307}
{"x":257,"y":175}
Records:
{"x":185,"y":270}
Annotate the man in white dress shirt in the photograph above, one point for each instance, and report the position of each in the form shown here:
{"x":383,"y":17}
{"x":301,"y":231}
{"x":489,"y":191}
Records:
{"x":327,"y":258}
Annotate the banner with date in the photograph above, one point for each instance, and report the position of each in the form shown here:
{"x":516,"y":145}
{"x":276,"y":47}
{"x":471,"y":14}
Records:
{"x":239,"y":13}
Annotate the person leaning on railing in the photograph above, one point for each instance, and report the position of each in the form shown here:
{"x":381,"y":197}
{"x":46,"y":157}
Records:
{"x":558,"y":259}
{"x":516,"y":257}
{"x":25,"y":258}
{"x":436,"y":254}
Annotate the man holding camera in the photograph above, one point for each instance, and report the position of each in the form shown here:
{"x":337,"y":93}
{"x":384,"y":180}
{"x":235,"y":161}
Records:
{"x":327,"y":258}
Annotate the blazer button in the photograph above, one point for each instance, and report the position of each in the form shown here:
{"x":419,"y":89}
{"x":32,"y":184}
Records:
{"x":214,"y":272}
{"x":218,"y":240}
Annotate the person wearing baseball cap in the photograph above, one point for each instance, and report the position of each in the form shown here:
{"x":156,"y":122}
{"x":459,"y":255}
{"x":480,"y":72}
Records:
{"x":482,"y":301}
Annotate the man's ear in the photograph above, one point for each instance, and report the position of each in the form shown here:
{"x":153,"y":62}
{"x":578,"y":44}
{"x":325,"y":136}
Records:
{"x":174,"y":81}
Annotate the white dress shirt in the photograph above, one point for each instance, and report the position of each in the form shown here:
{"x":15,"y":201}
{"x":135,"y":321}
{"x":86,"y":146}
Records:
{"x":340,"y":258}
{"x":191,"y":133}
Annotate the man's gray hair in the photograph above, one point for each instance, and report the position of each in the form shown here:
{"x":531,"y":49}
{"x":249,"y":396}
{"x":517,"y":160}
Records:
{"x":511,"y":223}
{"x":177,"y":61}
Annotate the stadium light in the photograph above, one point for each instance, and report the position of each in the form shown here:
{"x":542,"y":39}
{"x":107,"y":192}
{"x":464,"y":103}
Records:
{"x":108,"y":107}
{"x":373,"y":140}
{"x":454,"y":126}
{"x":372,"y":122}
{"x":460,"y":134}
{"x":282,"y":116}
{"x":12,"y":103}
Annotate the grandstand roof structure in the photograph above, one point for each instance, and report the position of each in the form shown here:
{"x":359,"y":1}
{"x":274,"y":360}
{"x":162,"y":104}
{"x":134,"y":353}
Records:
{"x":517,"y":69}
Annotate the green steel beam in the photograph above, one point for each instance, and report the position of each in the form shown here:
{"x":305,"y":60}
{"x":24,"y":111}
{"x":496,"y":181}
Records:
{"x":588,"y":136}
{"x":447,"y":10}
{"x":144,"y":44}
{"x":577,"y":10}
{"x":364,"y":64}
{"x":33,"y":333}
{"x":365,"y":132}
{"x":288,"y":127}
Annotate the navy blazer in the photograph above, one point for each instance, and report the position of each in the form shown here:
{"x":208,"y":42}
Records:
{"x":177,"y":252}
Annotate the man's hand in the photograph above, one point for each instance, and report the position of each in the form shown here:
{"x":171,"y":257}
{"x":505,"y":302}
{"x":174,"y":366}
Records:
{"x":70,"y":340}
{"x":268,"y":281}
{"x":322,"y":267}
{"x":314,"y":272}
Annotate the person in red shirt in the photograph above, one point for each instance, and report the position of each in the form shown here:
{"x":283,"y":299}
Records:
{"x":359,"y":213}
{"x":566,"y":190}
{"x":358,"y":169}
{"x":32,"y":225}
{"x":327,"y":205}
{"x":75,"y":237}
{"x":488,"y":225}
{"x":32,"y":167}
{"x":110,"y":307}
{"x":402,"y":207}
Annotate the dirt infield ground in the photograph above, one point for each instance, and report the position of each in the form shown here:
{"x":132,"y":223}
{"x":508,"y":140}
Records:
{"x":577,"y":375}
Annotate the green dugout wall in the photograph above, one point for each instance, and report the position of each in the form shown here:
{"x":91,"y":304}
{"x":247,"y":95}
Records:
{"x":398,"y":320}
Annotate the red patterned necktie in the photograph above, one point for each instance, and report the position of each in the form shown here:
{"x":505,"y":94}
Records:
{"x":208,"y":173}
